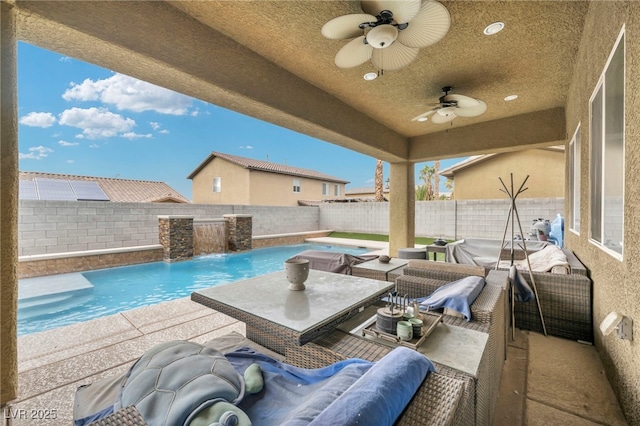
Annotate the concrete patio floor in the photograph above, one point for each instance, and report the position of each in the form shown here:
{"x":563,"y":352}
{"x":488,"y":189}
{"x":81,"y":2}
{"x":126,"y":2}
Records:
{"x":546,"y":381}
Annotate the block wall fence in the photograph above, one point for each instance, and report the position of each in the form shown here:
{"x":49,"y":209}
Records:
{"x":47,"y":227}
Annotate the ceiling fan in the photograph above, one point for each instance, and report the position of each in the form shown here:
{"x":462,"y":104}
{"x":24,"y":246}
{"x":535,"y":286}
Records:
{"x":390,"y":33}
{"x":452,"y":106}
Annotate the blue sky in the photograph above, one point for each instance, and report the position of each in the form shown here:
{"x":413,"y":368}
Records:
{"x":80,"y":119}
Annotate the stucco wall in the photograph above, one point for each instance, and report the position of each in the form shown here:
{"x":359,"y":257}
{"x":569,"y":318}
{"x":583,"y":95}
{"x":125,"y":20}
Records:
{"x":271,"y":189}
{"x":253,"y":187}
{"x":615,"y":282}
{"x":234,"y":184}
{"x":544,"y":167}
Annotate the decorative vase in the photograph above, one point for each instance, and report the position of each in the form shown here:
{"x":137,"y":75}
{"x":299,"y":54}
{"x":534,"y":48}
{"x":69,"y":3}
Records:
{"x":297,"y":273}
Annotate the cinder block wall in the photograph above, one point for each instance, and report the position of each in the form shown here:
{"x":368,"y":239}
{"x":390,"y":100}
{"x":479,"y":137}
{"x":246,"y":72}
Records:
{"x":65,"y":226}
{"x":447,"y":219}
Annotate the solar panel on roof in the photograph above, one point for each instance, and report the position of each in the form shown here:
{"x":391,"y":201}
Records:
{"x":55,"y":189}
{"x":88,"y":191}
{"x":27,"y":190}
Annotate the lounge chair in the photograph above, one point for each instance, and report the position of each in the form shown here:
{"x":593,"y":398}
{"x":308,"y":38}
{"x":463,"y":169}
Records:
{"x":436,"y":399}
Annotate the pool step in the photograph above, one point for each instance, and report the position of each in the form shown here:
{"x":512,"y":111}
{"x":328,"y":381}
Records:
{"x":54,"y":293}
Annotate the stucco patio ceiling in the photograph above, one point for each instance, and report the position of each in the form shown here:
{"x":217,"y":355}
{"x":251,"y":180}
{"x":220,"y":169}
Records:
{"x":269,"y":60}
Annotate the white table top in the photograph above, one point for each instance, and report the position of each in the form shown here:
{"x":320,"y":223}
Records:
{"x":376,"y":265}
{"x":326,"y":295}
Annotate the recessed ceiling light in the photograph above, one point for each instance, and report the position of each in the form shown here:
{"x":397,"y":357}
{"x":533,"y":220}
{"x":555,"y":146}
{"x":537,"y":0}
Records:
{"x":371,"y":76}
{"x":421,"y":119}
{"x":510,"y":97}
{"x":494,"y":28}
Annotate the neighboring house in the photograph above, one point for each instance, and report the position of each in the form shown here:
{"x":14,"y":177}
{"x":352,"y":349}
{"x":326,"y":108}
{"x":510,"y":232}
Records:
{"x":366,"y":193}
{"x":229,"y":179}
{"x":477,"y":176}
{"x":53,"y":186}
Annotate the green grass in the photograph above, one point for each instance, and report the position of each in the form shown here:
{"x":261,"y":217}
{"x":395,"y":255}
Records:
{"x":376,"y":237}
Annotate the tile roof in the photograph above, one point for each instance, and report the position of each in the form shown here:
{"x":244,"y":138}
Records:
{"x":121,"y":190}
{"x":266,"y":166}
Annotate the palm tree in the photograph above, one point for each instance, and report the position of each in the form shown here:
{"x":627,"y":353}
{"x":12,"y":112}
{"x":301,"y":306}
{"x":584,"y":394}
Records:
{"x":449,"y":185}
{"x":426,"y":175}
{"x":378,"y":181}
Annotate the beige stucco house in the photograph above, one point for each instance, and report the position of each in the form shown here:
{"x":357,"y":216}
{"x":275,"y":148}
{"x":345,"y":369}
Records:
{"x":477,"y":177}
{"x":230,"y":179}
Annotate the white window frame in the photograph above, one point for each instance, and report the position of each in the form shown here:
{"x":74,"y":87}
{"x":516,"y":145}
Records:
{"x":325,"y":189}
{"x":336,"y":190}
{"x":574,"y":181}
{"x":297,"y":186}
{"x":599,"y":169}
{"x":217,"y":184}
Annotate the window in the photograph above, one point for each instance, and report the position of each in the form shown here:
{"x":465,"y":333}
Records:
{"x":325,"y":189}
{"x":296,"y":185}
{"x":217,"y":184}
{"x":606,"y":168}
{"x":574,"y":181}
{"x":336,"y":190}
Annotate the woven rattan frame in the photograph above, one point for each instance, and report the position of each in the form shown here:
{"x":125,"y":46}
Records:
{"x":436,"y":402}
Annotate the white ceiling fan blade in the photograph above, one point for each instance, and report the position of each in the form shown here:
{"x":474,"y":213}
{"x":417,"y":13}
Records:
{"x":462,"y":101}
{"x":346,"y":26}
{"x":403,"y":10}
{"x":472,"y":111}
{"x":428,"y":27}
{"x":439,"y":119}
{"x":394,"y":57}
{"x":424,"y":115}
{"x":353,"y":53}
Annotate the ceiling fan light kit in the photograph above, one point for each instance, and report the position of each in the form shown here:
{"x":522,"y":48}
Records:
{"x":451,"y":106}
{"x":389,"y":33}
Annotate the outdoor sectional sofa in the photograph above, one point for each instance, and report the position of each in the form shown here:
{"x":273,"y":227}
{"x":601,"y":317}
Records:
{"x":436,"y":401}
{"x":565,"y":299}
{"x":489,"y":315}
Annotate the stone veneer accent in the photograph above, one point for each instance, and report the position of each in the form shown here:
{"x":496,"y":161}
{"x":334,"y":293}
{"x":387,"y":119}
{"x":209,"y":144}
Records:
{"x":176,"y":237}
{"x":239,"y":228}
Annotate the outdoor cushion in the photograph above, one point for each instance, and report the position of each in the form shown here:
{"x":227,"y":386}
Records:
{"x":457,"y":295}
{"x":346,"y":393}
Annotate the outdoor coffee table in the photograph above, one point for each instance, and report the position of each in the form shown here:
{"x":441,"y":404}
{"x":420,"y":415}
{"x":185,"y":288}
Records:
{"x":378,"y":270}
{"x":277,"y":317}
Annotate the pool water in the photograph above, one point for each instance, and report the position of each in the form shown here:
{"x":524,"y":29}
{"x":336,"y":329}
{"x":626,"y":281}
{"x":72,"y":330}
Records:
{"x":127,"y":287}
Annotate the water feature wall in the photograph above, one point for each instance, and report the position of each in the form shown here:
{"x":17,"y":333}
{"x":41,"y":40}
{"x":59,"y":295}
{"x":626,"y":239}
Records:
{"x":209,"y":236}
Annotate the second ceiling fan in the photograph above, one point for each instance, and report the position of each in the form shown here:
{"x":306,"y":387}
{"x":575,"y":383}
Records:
{"x":452,"y":106}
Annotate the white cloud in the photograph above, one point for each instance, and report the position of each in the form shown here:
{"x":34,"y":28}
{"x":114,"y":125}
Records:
{"x":36,"y":153}
{"x":164,"y":131}
{"x":65,"y":59}
{"x":155,"y":125}
{"x":94,"y":145}
{"x":38,"y":119}
{"x":65,"y":143}
{"x":128,"y":93}
{"x":70,"y":161}
{"x":246,"y":147}
{"x":96,"y":122}
{"x":134,"y":135}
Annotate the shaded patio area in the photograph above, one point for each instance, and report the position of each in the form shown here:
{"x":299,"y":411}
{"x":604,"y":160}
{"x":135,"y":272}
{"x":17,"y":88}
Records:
{"x":546,"y":380}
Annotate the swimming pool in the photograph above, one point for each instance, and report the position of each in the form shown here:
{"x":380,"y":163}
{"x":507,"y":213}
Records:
{"x":109,"y":291}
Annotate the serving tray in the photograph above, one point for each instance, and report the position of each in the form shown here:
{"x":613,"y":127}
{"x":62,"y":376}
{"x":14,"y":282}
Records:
{"x":430,"y":321}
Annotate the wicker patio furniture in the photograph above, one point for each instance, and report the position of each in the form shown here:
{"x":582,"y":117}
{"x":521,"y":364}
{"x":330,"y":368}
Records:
{"x":489,"y":314}
{"x":438,"y":400}
{"x":345,"y":345}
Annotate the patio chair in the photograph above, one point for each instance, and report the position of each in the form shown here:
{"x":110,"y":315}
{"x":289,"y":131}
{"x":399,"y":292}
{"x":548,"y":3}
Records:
{"x":436,"y":400}
{"x":488,"y":314}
